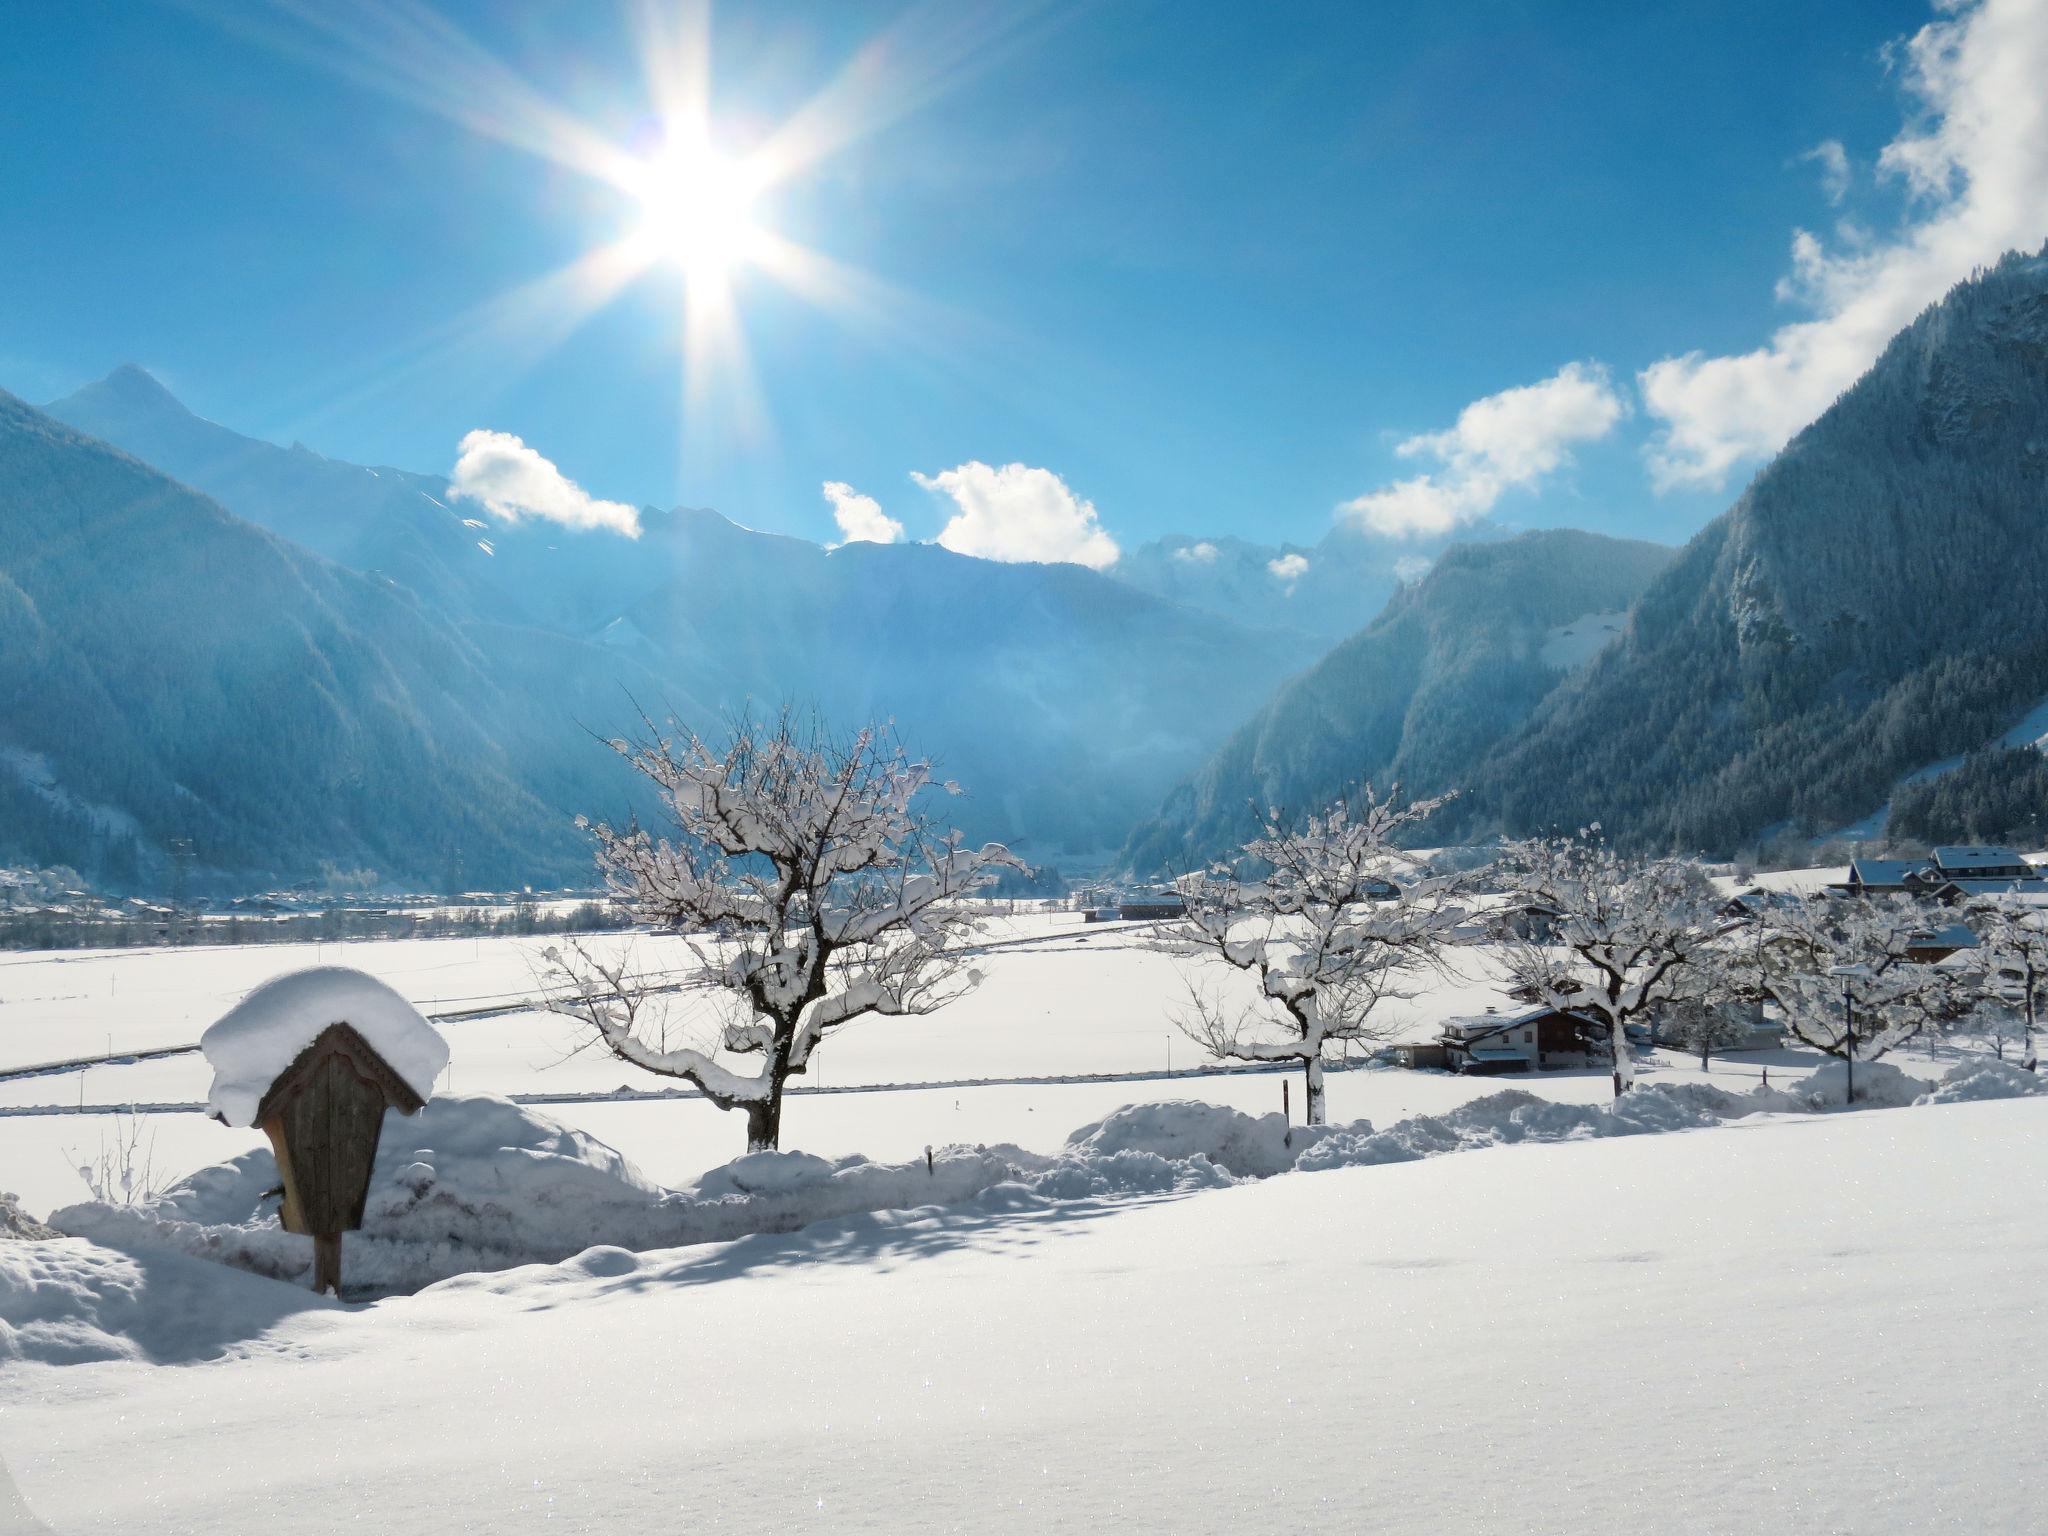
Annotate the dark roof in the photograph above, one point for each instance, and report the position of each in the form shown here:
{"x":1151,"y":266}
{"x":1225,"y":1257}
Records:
{"x":1881,"y":871}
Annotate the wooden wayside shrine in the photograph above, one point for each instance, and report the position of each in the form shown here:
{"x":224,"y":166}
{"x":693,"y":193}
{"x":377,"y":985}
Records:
{"x":323,"y":1115}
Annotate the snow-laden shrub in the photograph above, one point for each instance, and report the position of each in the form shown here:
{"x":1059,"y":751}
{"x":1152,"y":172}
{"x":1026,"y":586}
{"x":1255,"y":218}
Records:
{"x":1984,"y":1079}
{"x":1879,"y":1085}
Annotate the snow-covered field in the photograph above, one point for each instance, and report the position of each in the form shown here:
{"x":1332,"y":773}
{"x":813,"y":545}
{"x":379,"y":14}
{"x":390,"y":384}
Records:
{"x":1820,"y":1323}
{"x":1061,"y":999}
{"x":1780,"y":1320}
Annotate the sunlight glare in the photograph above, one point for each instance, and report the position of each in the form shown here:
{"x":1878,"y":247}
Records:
{"x":697,"y":211}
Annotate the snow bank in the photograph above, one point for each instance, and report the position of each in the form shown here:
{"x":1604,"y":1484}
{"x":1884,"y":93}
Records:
{"x":1985,"y":1079}
{"x":265,"y":1032}
{"x":67,"y":1302}
{"x":1879,"y":1085}
{"x":1245,"y":1145}
{"x":473,"y":1182}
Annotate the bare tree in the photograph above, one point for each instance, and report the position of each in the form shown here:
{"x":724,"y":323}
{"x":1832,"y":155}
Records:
{"x":811,"y":888}
{"x":1612,"y":937}
{"x":1330,"y":917}
{"x":1842,"y":974}
{"x":1703,"y":1026}
{"x":2014,"y":941}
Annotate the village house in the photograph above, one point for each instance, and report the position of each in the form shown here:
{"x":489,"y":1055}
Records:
{"x":1538,"y":1039}
{"x":1950,"y":874}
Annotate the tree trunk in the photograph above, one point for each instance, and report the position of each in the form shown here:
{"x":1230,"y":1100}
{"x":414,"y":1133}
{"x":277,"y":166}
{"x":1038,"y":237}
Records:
{"x":1312,"y":1112}
{"x":2028,"y":1060}
{"x":1624,"y":1068}
{"x":1703,"y":1056}
{"x":764,"y":1121}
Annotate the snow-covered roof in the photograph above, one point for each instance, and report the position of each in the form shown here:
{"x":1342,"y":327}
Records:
{"x":1883,"y":871}
{"x":1999,"y":885}
{"x":1959,"y":857}
{"x":1956,"y":935}
{"x":253,"y":1043}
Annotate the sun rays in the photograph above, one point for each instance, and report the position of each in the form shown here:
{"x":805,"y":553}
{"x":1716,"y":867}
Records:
{"x":693,"y":211}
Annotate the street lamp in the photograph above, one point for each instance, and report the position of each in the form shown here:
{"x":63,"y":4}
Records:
{"x":1849,"y":975}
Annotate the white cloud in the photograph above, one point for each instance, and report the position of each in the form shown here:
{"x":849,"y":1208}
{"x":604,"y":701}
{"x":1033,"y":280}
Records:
{"x":1288,"y":569}
{"x":514,"y":482}
{"x":1833,"y":161}
{"x":1973,"y":159}
{"x":1203,"y":553}
{"x":1509,"y":440}
{"x":1019,"y":513}
{"x":1410,"y":569}
{"x":861,"y":518}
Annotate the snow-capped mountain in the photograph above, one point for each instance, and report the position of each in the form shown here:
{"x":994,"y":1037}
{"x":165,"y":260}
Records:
{"x":1455,"y":663}
{"x":1328,"y":589}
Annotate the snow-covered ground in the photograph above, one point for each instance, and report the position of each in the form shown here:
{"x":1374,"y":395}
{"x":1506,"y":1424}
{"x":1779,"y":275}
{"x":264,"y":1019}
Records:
{"x":1061,"y":999}
{"x":1808,"y":1323}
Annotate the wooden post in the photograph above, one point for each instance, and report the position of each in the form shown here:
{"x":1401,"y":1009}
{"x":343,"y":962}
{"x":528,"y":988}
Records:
{"x":327,"y":1263}
{"x":1286,"y":1113}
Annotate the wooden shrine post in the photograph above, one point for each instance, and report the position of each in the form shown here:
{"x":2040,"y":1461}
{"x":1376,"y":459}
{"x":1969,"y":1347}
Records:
{"x":323,"y":1116}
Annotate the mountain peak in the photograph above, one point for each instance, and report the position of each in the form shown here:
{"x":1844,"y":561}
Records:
{"x":129,"y":388}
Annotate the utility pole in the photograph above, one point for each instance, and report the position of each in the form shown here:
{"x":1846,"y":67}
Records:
{"x":1848,"y":974}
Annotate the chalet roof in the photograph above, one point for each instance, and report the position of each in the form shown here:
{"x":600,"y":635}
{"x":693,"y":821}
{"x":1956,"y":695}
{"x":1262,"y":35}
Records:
{"x":1957,"y":858}
{"x":1997,"y":885}
{"x":1758,"y":899}
{"x":1882,"y":871}
{"x":1476,"y":1026}
{"x":1953,"y":936}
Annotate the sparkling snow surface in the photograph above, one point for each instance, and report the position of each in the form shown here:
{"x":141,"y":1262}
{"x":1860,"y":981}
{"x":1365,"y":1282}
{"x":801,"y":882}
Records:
{"x":1828,"y":1323}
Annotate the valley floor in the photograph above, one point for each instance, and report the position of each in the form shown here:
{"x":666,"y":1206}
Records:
{"x":1061,"y":999}
{"x":1825,"y":1323}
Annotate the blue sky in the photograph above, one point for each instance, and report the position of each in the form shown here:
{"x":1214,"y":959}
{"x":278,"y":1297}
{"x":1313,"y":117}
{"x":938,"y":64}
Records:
{"x":1206,"y":267}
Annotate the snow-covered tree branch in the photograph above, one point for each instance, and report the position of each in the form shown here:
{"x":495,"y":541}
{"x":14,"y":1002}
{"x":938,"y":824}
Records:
{"x":1329,"y":918}
{"x":1841,"y":972}
{"x":2014,"y":944}
{"x":814,"y":890}
{"x":1612,"y":937}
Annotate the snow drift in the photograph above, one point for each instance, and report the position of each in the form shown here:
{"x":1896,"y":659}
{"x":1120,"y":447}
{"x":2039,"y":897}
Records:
{"x":475,"y":1183}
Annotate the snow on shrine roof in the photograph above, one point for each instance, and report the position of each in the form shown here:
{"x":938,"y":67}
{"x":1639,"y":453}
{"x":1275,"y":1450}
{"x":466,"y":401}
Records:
{"x":253,"y":1043}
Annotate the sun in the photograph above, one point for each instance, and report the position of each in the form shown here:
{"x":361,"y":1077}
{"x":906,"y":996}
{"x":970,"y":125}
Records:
{"x":697,"y":212}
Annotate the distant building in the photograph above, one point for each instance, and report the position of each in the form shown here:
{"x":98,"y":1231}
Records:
{"x":1953,"y":873}
{"x":1159,"y":905}
{"x":1534,"y":1040}
{"x":1937,"y":944}
{"x":1757,"y":902}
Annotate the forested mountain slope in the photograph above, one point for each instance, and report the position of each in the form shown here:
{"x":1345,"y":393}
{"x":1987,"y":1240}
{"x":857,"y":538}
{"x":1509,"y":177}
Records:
{"x":1453,"y":665}
{"x":169,"y":671}
{"x":1066,"y":702}
{"x":1875,"y":601}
